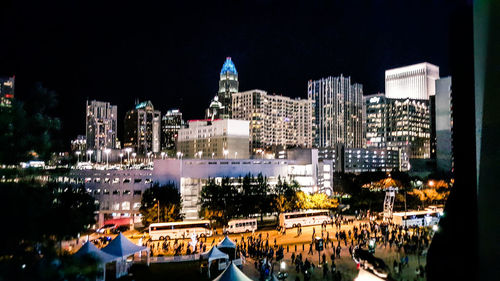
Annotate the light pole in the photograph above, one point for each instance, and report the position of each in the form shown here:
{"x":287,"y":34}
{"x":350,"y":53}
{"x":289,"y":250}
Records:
{"x":149,"y":157}
{"x":158,"y":204}
{"x":128,"y":150}
{"x":121,"y":159}
{"x":78,"y":156}
{"x":89,"y":157}
{"x":134,"y":155}
{"x":107,"y":151}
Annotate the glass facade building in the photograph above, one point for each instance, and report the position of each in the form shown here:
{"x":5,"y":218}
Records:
{"x":338,"y":112}
{"x":142,"y":128}
{"x":171,"y":123}
{"x":101,"y":125}
{"x":398,"y":123}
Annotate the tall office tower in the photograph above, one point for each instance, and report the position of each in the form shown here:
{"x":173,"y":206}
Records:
{"x":6,"y":91}
{"x":228,"y":85}
{"x":171,"y":123}
{"x":338,"y":112}
{"x":399,"y":123}
{"x":275,"y":121}
{"x":413,"y":82}
{"x":101,"y":125}
{"x":142,"y":128}
{"x":443,"y":125}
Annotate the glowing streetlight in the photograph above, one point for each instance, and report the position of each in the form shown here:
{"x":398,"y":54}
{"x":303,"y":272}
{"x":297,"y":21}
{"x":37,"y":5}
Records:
{"x":78,"y":155}
{"x":107,"y":151}
{"x":213,"y":153}
{"x":149,"y":156}
{"x":431,"y":183}
{"x":134,"y":155}
{"x":89,"y":155}
{"x":179,"y":154}
{"x":128,"y":150}
{"x":121,"y":158}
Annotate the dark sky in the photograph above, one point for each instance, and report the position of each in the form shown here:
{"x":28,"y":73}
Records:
{"x":172,"y":53}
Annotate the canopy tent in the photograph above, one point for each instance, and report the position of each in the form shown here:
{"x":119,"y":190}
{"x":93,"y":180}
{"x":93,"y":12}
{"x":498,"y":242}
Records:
{"x":90,"y":249}
{"x":122,"y":248}
{"x":214,"y":254}
{"x":226,"y":243}
{"x":232,"y":273}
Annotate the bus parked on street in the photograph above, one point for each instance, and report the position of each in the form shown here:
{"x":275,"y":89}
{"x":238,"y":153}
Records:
{"x":179,"y":230}
{"x":241,"y":225}
{"x":304,"y":218}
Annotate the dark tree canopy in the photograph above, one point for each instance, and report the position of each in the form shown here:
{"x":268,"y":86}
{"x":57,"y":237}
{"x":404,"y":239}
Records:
{"x":163,"y":199}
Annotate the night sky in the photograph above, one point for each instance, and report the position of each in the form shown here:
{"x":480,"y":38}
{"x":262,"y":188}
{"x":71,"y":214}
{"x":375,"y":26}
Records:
{"x":172,"y":54}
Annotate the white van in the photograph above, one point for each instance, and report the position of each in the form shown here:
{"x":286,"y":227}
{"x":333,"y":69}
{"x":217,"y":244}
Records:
{"x":241,"y":225}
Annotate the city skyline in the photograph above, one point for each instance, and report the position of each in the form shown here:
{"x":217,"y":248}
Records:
{"x":172,"y":68}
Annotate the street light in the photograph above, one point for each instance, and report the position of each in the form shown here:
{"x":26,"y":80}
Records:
{"x":78,"y":155}
{"x":134,"y":155}
{"x":128,"y":150}
{"x":213,"y":153}
{"x":89,"y":153}
{"x":149,"y":157}
{"x":121,"y":158}
{"x":158,"y":204}
{"x":107,"y":151}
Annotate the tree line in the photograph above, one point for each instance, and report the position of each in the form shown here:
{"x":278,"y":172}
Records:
{"x":246,"y":196}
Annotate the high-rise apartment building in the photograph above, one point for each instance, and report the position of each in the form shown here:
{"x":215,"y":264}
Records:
{"x":6,"y":91}
{"x":443,"y":125}
{"x":142,"y":128}
{"x":275,"y":121}
{"x":101,"y":125}
{"x":171,"y":123}
{"x":338,"y":112}
{"x":228,"y":85}
{"x":411,"y":82}
{"x":399,"y":123}
{"x":223,"y":138}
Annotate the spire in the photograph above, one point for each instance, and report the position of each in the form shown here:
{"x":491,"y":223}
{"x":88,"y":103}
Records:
{"x":228,"y":67}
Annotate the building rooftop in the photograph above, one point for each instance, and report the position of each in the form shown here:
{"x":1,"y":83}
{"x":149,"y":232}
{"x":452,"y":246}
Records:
{"x":228,"y":67}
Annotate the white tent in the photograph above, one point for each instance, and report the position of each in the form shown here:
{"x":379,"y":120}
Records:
{"x":214,"y":254}
{"x":226,"y":243}
{"x":232,"y":273}
{"x":90,"y":249}
{"x":122,"y":248}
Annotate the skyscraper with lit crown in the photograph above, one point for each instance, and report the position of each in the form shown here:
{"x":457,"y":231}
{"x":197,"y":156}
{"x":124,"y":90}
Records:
{"x":228,"y":85}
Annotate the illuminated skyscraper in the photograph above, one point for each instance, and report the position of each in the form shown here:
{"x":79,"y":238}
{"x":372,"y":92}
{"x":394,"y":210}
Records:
{"x":142,"y":128}
{"x":228,"y":85}
{"x":171,"y":123}
{"x":6,"y":91}
{"x":414,"y":81}
{"x":101,"y":125}
{"x":338,"y":112}
{"x":275,"y":121}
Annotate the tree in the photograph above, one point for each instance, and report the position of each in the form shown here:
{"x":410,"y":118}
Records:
{"x":284,"y":196}
{"x":39,"y":217}
{"x":27,"y":128}
{"x":315,"y":201}
{"x":164,"y":200}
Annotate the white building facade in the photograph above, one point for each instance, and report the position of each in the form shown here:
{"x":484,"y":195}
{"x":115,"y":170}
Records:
{"x":411,"y":82}
{"x":275,"y":121}
{"x":217,"y":139}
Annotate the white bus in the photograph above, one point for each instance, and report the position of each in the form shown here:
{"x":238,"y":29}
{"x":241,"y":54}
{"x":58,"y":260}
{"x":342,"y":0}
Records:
{"x":241,"y":225}
{"x":417,"y":218}
{"x":183,"y":229}
{"x":304,"y":218}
